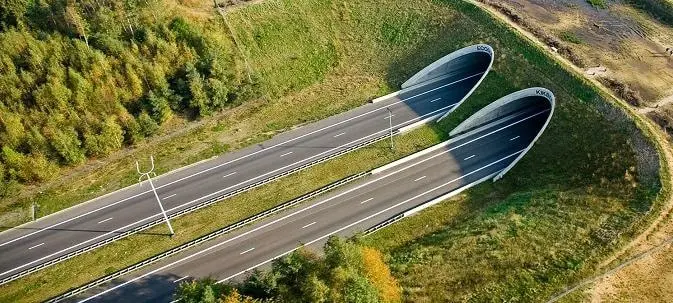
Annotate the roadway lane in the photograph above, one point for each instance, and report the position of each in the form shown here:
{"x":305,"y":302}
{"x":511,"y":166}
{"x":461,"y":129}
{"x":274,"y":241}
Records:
{"x":30,"y":245}
{"x":469,"y":158}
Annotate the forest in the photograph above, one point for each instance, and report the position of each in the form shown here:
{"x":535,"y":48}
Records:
{"x":83,"y":79}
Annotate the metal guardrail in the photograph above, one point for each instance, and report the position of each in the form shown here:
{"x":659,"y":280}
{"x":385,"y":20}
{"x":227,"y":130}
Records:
{"x":208,"y":237}
{"x":190,"y":209}
{"x":383,"y":224}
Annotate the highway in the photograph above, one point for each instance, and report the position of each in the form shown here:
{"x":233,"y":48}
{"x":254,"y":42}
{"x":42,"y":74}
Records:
{"x":469,"y":158}
{"x":27,"y":246}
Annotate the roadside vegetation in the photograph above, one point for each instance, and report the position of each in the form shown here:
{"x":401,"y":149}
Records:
{"x":347,"y":272}
{"x":587,"y":185}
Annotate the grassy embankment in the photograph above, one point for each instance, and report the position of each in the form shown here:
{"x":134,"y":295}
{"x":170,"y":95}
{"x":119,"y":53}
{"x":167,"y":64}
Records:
{"x":568,"y":204}
{"x":318,"y":58}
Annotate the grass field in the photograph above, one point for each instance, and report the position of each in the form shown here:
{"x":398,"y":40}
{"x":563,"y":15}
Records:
{"x":589,"y":182}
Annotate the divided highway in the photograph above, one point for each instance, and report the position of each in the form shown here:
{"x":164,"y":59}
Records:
{"x":31,"y":246}
{"x":467,"y":159}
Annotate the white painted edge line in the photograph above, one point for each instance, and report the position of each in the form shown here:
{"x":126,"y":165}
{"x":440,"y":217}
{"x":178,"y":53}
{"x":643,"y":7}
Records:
{"x":421,"y":178}
{"x":202,"y":171}
{"x":470,"y":157}
{"x":413,"y":87}
{"x":307,"y":225}
{"x":29,"y":248}
{"x":354,"y":223}
{"x":102,"y":221}
{"x":365,"y":201}
{"x":204,"y":197}
{"x":446,"y":143}
{"x":420,"y":123}
{"x":447,"y":195}
{"x":246,"y":251}
{"x":205,"y":250}
{"x":290,"y":215}
{"x":178,"y":280}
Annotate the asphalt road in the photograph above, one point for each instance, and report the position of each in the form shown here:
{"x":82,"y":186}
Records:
{"x":57,"y":235}
{"x":469,"y":158}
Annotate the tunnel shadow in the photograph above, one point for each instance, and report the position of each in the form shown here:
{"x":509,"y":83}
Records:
{"x":153,"y":288}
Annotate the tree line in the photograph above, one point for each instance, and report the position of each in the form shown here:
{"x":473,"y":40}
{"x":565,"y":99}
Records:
{"x":82,"y":79}
{"x":347,"y":273}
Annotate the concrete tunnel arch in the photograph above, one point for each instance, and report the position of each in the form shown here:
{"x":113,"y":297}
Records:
{"x":536,"y":98}
{"x":472,"y":61}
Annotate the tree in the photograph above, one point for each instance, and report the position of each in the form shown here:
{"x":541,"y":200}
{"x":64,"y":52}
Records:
{"x":147,"y":125}
{"x":75,"y":19}
{"x":12,"y":131}
{"x":67,"y":144}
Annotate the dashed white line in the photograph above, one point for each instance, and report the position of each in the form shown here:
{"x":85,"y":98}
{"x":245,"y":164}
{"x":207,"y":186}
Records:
{"x":470,"y":157}
{"x":230,"y":174}
{"x":435,"y":100}
{"x":178,"y":280}
{"x":339,"y":135}
{"x":517,"y":137}
{"x":29,"y":248}
{"x":419,"y":179}
{"x":388,"y":116}
{"x":247,"y":251}
{"x":285,"y":154}
{"x":171,"y":196}
{"x":108,"y":219}
{"x":307,"y":225}
{"x":365,"y":201}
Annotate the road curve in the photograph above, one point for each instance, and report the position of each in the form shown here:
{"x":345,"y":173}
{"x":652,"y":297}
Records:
{"x":29,"y":247}
{"x":471,"y":157}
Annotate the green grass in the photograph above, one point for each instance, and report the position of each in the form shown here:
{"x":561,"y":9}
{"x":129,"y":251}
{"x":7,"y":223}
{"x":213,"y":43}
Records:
{"x":598,"y":3}
{"x":317,"y":58}
{"x":571,"y":37}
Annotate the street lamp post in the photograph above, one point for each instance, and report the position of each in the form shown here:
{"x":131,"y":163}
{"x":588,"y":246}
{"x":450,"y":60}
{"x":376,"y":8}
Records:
{"x":154,"y":190}
{"x":390,"y":120}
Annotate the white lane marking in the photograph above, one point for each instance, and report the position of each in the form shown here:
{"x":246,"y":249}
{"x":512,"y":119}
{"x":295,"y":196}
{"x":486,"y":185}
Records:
{"x":517,"y":137}
{"x":241,"y":158}
{"x":247,"y":251}
{"x":365,"y":201}
{"x":307,"y":225}
{"x":108,"y":219}
{"x":419,"y":179}
{"x":470,"y":157}
{"x":285,"y":154}
{"x":388,"y":116}
{"x":178,"y":280}
{"x":171,"y":196}
{"x":215,"y":193}
{"x":339,"y":135}
{"x":29,"y":248}
{"x":229,"y":175}
{"x":198,"y":253}
{"x":435,"y":100}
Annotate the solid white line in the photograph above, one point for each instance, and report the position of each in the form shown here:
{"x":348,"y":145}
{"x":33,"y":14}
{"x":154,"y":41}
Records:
{"x":433,"y":101}
{"x":229,"y":175}
{"x":170,"y":196}
{"x":419,"y":179}
{"x":307,"y":225}
{"x":29,"y":248}
{"x":365,"y":201}
{"x":178,"y":280}
{"x":285,"y":154}
{"x":517,"y":137}
{"x":247,"y":251}
{"x":198,"y":253}
{"x":238,"y":159}
{"x":211,"y":194}
{"x":470,"y":157}
{"x":339,"y":135}
{"x":108,"y":219}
